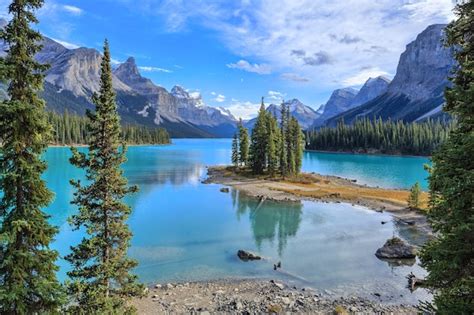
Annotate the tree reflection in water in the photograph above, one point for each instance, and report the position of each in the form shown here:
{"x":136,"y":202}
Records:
{"x":269,"y":220}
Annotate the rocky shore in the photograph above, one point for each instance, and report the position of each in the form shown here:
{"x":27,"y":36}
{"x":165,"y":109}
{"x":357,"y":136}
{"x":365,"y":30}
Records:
{"x":254,"y":297}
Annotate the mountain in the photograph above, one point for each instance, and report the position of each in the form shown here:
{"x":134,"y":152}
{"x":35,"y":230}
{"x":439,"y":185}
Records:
{"x":303,"y":113}
{"x":74,"y":76}
{"x":417,"y":90}
{"x":340,"y":101}
{"x":345,"y":99}
{"x":371,"y":89}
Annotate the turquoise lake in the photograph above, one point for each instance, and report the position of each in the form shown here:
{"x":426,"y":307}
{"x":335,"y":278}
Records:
{"x":185,"y":230}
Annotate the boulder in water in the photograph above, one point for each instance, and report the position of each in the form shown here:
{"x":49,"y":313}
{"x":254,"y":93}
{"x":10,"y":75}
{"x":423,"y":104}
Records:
{"x":395,"y":248}
{"x":246,"y":256}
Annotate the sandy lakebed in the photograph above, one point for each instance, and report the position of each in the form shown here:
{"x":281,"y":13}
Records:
{"x":254,"y":296}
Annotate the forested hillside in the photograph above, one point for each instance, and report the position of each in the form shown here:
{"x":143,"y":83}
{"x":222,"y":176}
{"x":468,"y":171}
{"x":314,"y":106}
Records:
{"x":72,"y":129}
{"x":377,"y":136}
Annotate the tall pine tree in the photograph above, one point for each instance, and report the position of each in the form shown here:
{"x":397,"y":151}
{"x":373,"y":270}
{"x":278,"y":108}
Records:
{"x":449,"y":258}
{"x":283,"y":141}
{"x":28,"y":281}
{"x":244,"y":144}
{"x":235,"y":150}
{"x":273,"y":144}
{"x":258,"y":142}
{"x":101,"y":278}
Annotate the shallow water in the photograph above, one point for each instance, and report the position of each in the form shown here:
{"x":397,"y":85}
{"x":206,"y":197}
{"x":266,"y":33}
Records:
{"x":185,"y":230}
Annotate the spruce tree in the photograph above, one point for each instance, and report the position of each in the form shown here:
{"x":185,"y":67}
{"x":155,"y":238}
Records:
{"x":258,"y":142}
{"x":297,"y":144}
{"x":28,"y":283}
{"x":244,"y":144}
{"x":235,"y":150}
{"x":101,"y":278}
{"x":283,"y":141}
{"x":414,"y":197}
{"x":273,"y":144}
{"x":449,"y":259}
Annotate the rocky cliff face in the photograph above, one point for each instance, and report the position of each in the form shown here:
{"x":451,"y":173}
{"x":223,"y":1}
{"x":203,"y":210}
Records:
{"x":424,"y":66}
{"x":340,"y":101}
{"x":372,"y":88}
{"x":346,"y":99}
{"x":417,"y":90}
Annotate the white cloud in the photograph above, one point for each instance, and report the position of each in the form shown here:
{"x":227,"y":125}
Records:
{"x":72,"y":9}
{"x":293,"y":77}
{"x":219,"y":98}
{"x":333,"y":39}
{"x":276,"y":96}
{"x":245,"y":110}
{"x":363,"y":75}
{"x":194,"y":94}
{"x":115,"y":61}
{"x":154,"y":69}
{"x":247,"y":66}
{"x":66,"y":44}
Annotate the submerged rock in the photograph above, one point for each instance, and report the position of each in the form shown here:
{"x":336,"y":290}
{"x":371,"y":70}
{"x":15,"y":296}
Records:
{"x":246,"y":256}
{"x":396,"y":248}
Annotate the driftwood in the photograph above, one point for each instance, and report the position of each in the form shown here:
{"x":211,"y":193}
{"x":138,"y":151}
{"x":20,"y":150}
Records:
{"x":414,"y":282}
{"x":262,"y":200}
{"x":405,"y":221}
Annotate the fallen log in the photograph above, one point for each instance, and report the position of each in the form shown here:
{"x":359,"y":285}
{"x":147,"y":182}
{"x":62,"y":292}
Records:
{"x":414,"y":282}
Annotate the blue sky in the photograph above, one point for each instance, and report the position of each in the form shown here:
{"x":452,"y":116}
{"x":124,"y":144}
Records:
{"x":233,"y":52}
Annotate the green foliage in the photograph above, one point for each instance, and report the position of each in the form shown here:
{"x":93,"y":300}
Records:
{"x":235,"y":150}
{"x":449,"y":258}
{"x":243,"y":144}
{"x":28,"y":283}
{"x":101,"y":278}
{"x":258,"y":142}
{"x":385,"y":137}
{"x":273,"y":144}
{"x":414,"y":197}
{"x":72,"y":130}
{"x":276,"y":149}
{"x":284,"y":140}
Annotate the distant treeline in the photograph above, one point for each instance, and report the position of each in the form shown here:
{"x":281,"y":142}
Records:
{"x":72,"y":129}
{"x":377,"y":136}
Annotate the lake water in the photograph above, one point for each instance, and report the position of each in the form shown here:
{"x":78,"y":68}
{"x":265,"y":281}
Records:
{"x":185,"y":230}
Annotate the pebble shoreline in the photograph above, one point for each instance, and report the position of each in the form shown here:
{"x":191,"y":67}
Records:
{"x":254,"y":297}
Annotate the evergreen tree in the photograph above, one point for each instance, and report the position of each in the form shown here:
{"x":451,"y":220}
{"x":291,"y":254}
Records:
{"x":449,"y":257}
{"x":283,"y":141}
{"x":101,"y":278}
{"x":244,"y":144}
{"x":297,"y":144}
{"x":414,"y":197}
{"x":273,"y":143}
{"x":28,"y":283}
{"x":258,"y":144}
{"x":386,"y":137}
{"x":235,"y":150}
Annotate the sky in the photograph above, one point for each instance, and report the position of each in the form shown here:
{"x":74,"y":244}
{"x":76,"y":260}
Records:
{"x":234,"y":52}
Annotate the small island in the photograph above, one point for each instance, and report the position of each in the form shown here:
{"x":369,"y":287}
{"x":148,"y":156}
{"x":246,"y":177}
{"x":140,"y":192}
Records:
{"x":316,"y":187}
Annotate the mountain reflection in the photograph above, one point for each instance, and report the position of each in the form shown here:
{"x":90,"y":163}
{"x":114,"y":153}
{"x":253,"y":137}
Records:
{"x":269,"y":220}
{"x":165,"y":173}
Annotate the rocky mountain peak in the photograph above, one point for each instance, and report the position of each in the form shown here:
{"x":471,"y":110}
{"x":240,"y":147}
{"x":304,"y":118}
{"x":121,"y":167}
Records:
{"x":372,"y":88}
{"x":179,"y":92}
{"x":128,"y":69}
{"x":424,"y":66}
